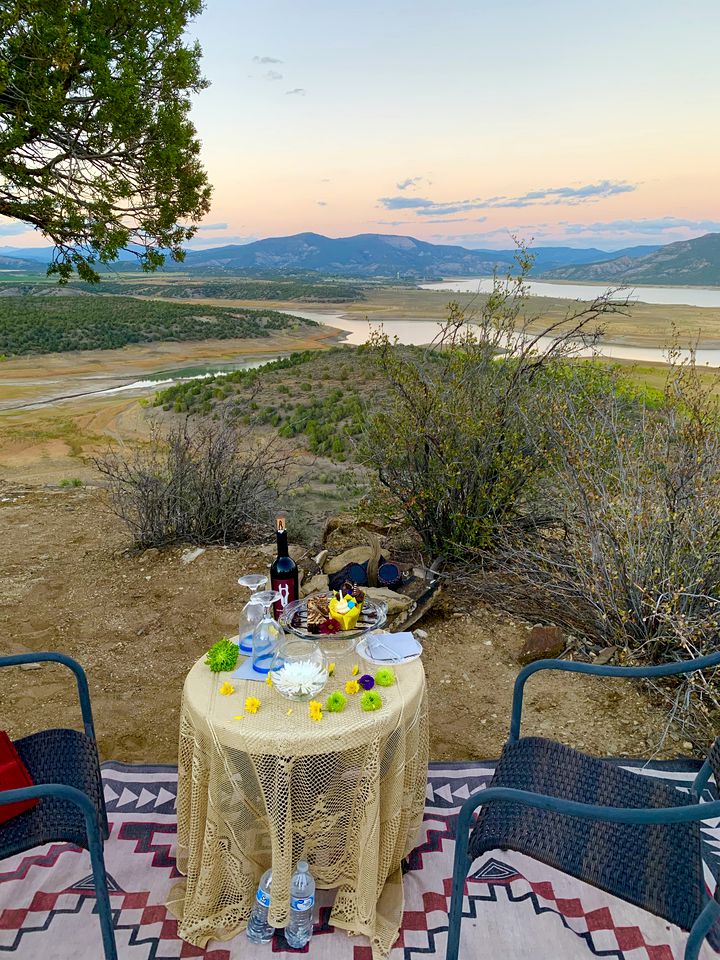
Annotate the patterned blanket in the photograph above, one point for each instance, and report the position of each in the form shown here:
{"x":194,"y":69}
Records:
{"x":516,"y":908}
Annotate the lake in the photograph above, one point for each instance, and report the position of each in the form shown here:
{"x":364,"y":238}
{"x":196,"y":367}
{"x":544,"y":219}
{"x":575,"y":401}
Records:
{"x":420,"y":332}
{"x":689,"y":296}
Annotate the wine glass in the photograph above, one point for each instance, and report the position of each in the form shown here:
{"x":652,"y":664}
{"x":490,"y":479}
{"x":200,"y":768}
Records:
{"x":300,"y":670}
{"x":267,"y":635}
{"x":252,"y":611}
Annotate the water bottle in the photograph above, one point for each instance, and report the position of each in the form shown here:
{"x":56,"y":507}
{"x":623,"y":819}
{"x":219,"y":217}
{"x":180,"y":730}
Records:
{"x":302,"y":899}
{"x":258,"y":928}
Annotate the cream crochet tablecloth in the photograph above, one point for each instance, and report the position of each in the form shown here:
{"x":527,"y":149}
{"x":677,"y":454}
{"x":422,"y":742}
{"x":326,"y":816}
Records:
{"x":345,"y":793}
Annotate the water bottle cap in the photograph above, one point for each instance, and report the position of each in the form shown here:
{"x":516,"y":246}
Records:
{"x":303,"y":866}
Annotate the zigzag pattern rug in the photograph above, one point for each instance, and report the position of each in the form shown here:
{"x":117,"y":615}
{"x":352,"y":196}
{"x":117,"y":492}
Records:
{"x":516,"y":908}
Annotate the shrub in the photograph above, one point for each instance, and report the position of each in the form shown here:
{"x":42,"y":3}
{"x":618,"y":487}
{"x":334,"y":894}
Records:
{"x":636,"y":562}
{"x":215,"y":484}
{"x":461,"y":443}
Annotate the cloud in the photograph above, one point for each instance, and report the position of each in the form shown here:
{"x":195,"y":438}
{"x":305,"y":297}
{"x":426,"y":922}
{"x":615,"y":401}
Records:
{"x":213,"y":226}
{"x":272,"y":75}
{"x":321,"y":203}
{"x":295,"y":92}
{"x":198,"y":243}
{"x":326,"y":180}
{"x":266,"y":60}
{"x":409,"y":182}
{"x":553,"y":196}
{"x":393,"y":223}
{"x":11,"y":228}
{"x":645,"y":225}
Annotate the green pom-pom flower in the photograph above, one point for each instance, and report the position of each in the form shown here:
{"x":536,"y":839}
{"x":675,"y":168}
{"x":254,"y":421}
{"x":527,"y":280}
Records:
{"x":385,"y":677}
{"x":371,"y":700}
{"x":222,"y":655}
{"x":336,"y":702}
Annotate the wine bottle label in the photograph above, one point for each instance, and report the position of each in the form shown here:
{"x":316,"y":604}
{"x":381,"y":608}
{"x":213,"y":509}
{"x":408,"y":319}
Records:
{"x":286,"y":588}
{"x":301,"y":903}
{"x":263,"y":898}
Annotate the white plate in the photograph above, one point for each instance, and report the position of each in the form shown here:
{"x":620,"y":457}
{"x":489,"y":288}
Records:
{"x":362,"y":649}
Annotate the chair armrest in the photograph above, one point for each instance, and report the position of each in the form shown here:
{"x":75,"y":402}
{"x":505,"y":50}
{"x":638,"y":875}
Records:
{"x":61,"y":790}
{"x":602,"y":670}
{"x":82,"y":684}
{"x":590,"y":811}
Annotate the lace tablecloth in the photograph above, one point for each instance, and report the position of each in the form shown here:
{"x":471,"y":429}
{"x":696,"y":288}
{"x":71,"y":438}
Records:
{"x":345,"y":793}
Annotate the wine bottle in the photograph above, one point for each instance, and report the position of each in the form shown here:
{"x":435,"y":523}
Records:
{"x":283,"y":572}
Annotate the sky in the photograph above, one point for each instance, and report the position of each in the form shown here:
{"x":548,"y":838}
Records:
{"x":576,"y":122}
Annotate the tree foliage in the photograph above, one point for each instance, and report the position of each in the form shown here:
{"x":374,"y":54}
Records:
{"x":96,"y":147}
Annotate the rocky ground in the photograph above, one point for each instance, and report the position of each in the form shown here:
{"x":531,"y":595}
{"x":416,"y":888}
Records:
{"x":137,"y":623}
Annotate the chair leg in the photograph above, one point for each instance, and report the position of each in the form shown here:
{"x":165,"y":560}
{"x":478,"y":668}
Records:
{"x":102,"y":896}
{"x":461,"y":866}
{"x":700,"y":929}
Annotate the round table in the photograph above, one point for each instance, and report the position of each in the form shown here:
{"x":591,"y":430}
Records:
{"x":346,"y":793}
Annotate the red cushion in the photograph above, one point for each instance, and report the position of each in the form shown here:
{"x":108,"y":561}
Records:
{"x":13,"y":775}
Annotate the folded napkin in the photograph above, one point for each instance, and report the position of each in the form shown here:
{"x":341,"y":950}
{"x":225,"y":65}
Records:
{"x":245,"y":672}
{"x":392,"y":647}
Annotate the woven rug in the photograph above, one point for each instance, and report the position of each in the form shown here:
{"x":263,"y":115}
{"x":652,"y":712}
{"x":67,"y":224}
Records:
{"x":517,"y":908}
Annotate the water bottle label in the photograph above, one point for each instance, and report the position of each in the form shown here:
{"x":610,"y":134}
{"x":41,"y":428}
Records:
{"x":263,"y":898}
{"x":301,"y":903}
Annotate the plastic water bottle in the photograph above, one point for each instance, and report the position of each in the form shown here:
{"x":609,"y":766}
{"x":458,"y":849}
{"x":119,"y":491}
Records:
{"x":302,"y":899}
{"x":258,"y":928}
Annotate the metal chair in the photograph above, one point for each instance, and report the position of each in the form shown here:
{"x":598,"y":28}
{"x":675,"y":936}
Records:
{"x":632,"y":836}
{"x":65,"y":770}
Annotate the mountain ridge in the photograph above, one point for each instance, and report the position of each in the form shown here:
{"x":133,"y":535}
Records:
{"x":693,"y":262}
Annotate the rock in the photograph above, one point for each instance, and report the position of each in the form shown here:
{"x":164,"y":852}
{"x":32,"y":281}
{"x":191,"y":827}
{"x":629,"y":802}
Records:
{"x":542,"y":643}
{"x":30,"y":666}
{"x":152,"y":553}
{"x":316,"y":584}
{"x":606,"y":655}
{"x":421,"y":634}
{"x":354,"y":555}
{"x":396,"y":602}
{"x":189,"y":555}
{"x":321,"y":558}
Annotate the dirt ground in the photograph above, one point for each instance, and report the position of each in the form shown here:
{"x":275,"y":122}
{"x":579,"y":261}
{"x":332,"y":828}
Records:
{"x":138,"y":623}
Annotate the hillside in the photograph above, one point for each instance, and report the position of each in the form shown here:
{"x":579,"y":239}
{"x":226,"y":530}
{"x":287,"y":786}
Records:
{"x":687,"y":262}
{"x":56,"y":325}
{"x":362,"y":256}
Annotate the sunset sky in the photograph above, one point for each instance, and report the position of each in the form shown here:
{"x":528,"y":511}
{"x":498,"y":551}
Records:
{"x":567,"y":121}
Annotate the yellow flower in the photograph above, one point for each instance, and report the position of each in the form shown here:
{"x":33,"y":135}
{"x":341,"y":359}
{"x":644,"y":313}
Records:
{"x":355,"y":670}
{"x":252,"y":704}
{"x":331,"y":669}
{"x":315,"y":709}
{"x":352,"y":686}
{"x":289,"y":711}
{"x":238,"y":718}
{"x":268,"y":680}
{"x":226,"y":689}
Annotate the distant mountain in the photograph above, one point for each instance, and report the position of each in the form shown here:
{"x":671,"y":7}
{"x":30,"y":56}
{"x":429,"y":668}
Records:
{"x":368,"y":255}
{"x":686,"y":262}
{"x":371,"y":255}
{"x":17,"y":263}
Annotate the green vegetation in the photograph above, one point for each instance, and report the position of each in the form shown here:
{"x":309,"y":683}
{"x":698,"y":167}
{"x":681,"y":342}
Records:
{"x":310,"y":292}
{"x":71,"y":482}
{"x":319,"y":395}
{"x":55,"y":325}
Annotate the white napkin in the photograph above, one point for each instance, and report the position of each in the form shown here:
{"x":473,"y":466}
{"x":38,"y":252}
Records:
{"x":245,"y":672}
{"x":392,"y":646}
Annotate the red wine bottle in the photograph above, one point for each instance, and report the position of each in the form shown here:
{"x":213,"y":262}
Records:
{"x":283,"y":572}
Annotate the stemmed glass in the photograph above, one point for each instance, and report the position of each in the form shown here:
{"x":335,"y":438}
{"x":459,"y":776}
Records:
{"x":268,"y":634}
{"x":252,"y":611}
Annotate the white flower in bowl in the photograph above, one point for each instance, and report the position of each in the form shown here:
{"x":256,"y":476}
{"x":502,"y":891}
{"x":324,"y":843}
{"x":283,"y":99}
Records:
{"x":300,"y":678}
